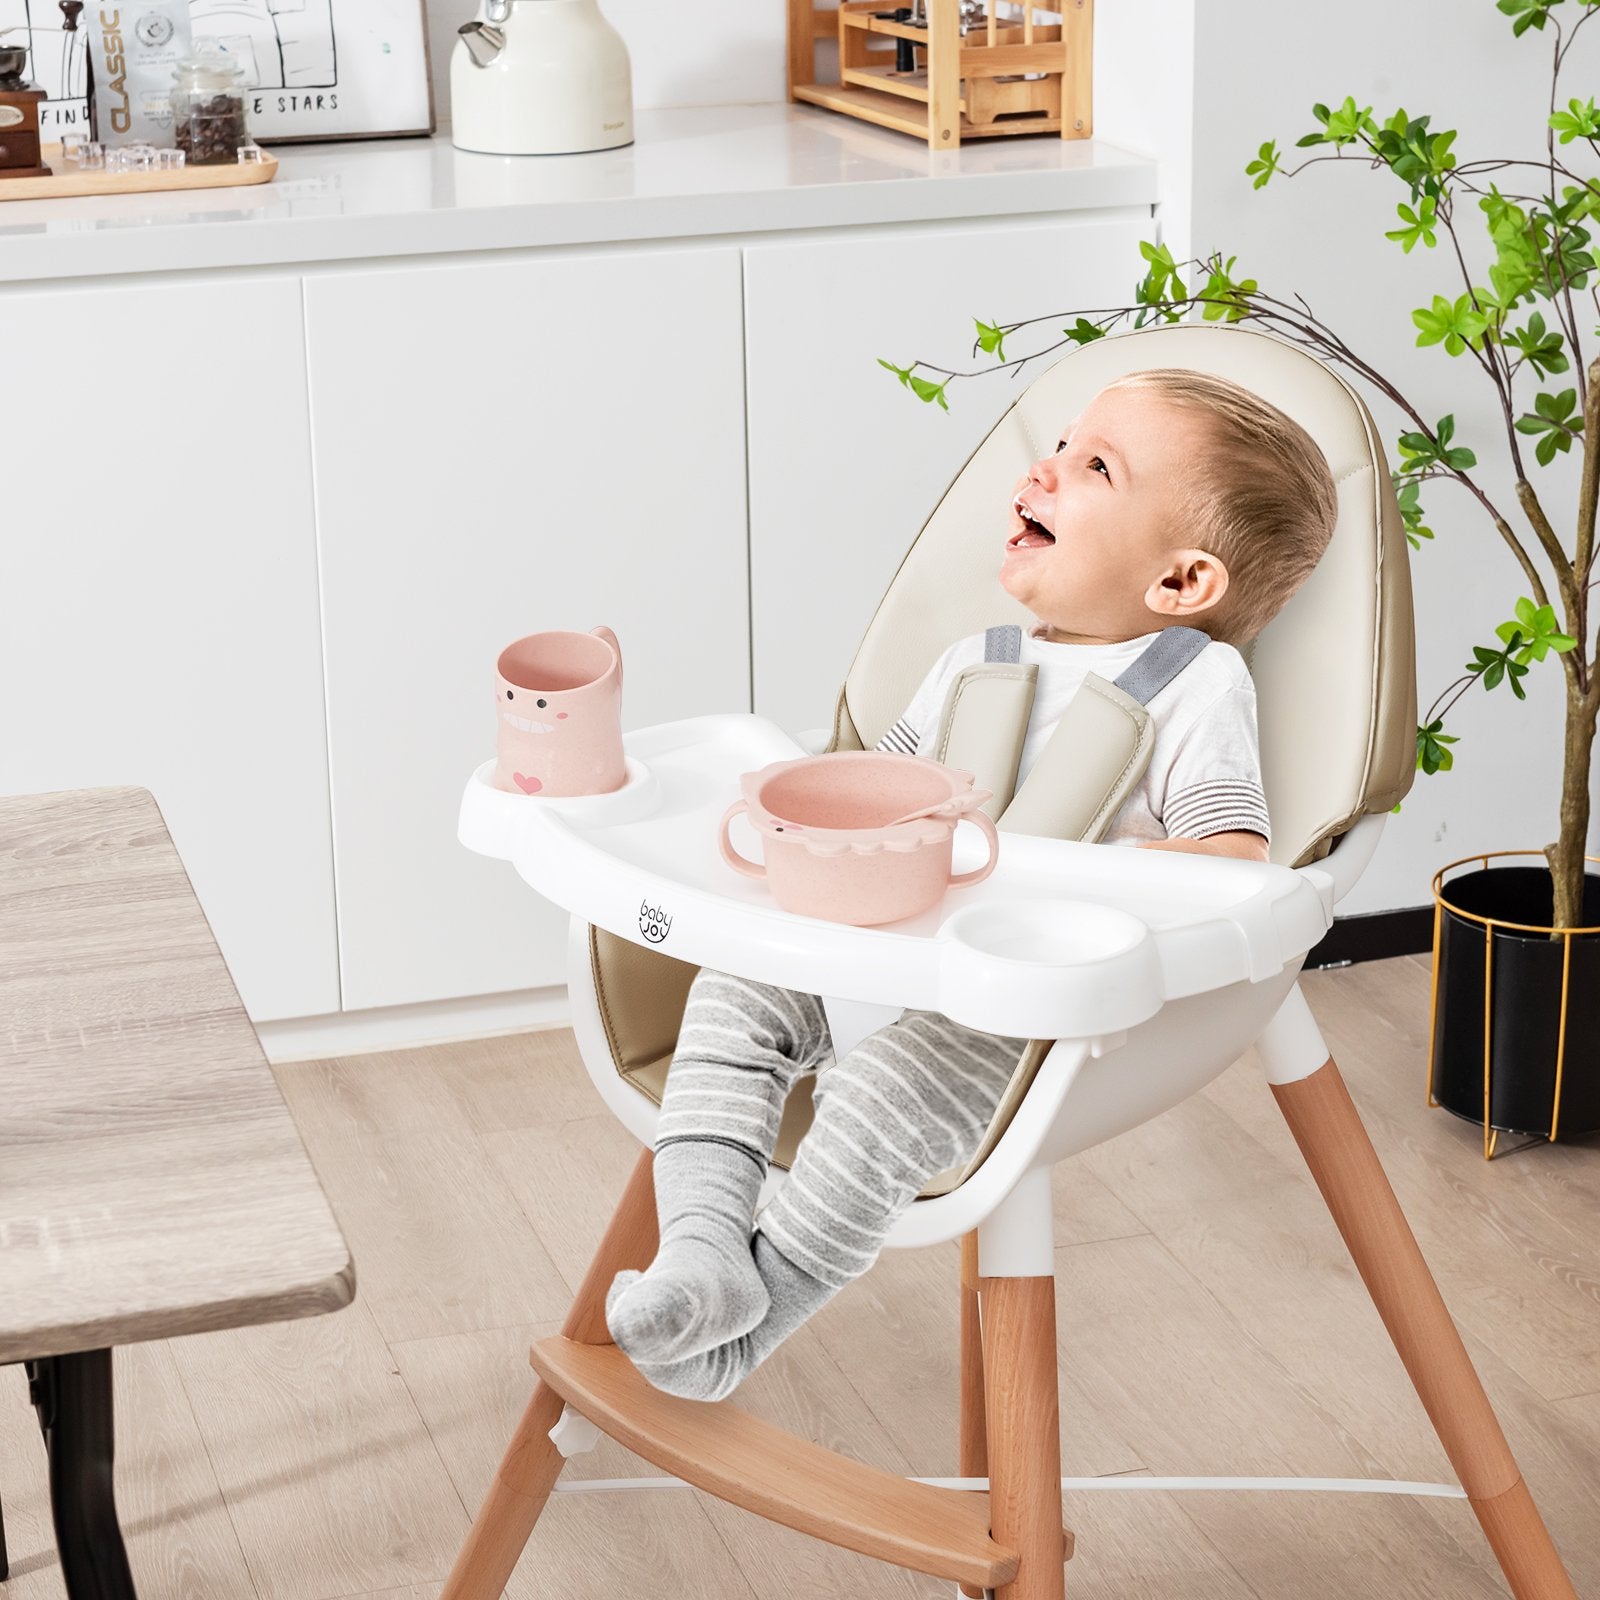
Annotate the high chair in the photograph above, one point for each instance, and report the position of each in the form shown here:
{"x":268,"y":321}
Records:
{"x":1139,"y":975}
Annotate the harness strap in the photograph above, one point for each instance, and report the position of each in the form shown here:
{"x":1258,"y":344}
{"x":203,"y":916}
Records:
{"x":1003,"y":643}
{"x":1143,"y":679}
{"x":1160,"y":662}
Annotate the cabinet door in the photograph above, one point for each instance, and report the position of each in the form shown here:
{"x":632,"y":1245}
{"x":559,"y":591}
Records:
{"x":158,"y":596}
{"x":845,"y":465}
{"x":504,"y":447}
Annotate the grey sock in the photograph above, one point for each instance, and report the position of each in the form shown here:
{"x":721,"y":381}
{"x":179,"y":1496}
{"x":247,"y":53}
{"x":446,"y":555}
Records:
{"x":702,"y":1289}
{"x":713,"y":1374}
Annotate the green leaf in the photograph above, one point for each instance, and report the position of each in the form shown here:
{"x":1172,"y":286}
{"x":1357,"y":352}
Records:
{"x":1527,"y":14}
{"x":1419,"y":225}
{"x":1162,"y":281}
{"x":1532,"y":634}
{"x":991,"y":339}
{"x":1557,"y":419}
{"x":928,"y":391}
{"x":1433,"y":754}
{"x":902,"y":373}
{"x":1539,"y":347}
{"x":1265,"y":164}
{"x":1578,"y":121}
{"x":1418,"y":451}
{"x":1406,"y":496}
{"x":1225,"y":297}
{"x":1458,"y":324}
{"x":1084,"y":331}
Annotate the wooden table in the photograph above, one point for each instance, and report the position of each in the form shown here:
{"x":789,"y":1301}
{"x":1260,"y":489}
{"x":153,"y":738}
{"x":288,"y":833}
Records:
{"x":152,"y":1182}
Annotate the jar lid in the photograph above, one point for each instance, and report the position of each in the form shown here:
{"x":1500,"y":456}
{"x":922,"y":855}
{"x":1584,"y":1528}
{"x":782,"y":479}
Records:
{"x":209,"y":66}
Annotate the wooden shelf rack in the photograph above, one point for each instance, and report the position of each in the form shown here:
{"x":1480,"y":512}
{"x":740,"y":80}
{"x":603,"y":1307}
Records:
{"x":1008,"y":74}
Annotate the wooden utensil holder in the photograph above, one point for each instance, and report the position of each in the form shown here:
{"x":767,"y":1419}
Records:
{"x":1003,"y":77}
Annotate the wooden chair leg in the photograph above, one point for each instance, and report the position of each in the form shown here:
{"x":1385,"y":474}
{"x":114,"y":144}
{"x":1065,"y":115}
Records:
{"x":1333,"y":1141}
{"x":974,"y":1451}
{"x":1024,"y":1441}
{"x":532,"y":1463}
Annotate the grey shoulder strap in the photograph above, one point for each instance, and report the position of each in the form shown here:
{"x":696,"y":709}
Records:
{"x":1003,"y":643}
{"x":1161,"y":661}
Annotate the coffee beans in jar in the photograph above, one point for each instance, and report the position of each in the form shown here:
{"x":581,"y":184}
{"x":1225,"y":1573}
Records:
{"x":208,"y":119}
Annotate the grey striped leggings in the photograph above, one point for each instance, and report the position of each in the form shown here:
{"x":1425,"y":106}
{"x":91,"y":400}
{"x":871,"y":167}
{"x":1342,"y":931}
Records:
{"x":909,"y":1101}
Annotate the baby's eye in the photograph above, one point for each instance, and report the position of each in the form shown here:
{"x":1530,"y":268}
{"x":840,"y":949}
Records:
{"x":1061,"y":444}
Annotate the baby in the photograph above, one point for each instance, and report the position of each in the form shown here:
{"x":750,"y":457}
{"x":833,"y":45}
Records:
{"x":1175,"y":498}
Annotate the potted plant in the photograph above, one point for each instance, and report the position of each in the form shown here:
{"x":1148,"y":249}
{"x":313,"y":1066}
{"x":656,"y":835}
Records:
{"x":1516,"y":1026}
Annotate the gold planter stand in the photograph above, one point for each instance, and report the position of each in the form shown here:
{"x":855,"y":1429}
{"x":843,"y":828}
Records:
{"x":1489,"y":926}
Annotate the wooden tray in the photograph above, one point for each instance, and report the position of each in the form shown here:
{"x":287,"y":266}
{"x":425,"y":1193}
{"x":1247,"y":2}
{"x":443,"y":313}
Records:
{"x":68,"y":180}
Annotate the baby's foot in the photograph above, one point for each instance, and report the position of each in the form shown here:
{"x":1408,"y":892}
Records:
{"x":693,"y":1297}
{"x":709,"y":1375}
{"x":793,"y":1297}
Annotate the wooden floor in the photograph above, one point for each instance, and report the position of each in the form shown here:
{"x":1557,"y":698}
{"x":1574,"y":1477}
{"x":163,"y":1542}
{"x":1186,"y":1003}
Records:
{"x":1210,"y":1323}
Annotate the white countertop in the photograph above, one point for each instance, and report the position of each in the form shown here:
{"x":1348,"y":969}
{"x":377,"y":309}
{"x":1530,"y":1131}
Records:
{"x":692,"y":172}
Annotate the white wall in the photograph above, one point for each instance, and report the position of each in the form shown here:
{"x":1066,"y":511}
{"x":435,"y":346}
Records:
{"x":697,"y":52}
{"x":1144,"y":100}
{"x":1259,"y":67}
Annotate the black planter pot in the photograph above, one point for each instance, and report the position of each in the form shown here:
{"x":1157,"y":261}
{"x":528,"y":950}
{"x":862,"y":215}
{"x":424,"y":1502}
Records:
{"x":1517,"y":974}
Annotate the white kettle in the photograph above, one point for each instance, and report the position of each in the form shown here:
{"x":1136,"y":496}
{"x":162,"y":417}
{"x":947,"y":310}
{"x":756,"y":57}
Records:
{"x":540,"y":77}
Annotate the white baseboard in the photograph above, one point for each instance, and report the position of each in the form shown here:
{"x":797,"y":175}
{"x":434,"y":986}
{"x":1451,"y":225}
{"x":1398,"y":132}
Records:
{"x":350,"y":1033}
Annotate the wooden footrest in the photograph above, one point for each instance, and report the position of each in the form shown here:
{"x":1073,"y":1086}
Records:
{"x":748,"y":1462}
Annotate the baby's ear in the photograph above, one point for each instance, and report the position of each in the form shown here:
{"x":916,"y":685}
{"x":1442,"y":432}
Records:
{"x":1195,"y":581}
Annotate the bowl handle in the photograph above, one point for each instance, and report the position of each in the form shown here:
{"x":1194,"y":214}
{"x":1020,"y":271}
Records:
{"x":732,"y":856}
{"x":980,"y":873}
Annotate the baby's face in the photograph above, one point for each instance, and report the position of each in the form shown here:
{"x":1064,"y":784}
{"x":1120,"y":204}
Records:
{"x":1094,"y":536}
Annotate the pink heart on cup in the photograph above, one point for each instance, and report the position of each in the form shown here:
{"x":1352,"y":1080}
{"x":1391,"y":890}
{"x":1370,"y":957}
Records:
{"x":527,"y":785}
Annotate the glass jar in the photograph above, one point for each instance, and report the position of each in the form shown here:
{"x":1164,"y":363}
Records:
{"x":208,"y":106}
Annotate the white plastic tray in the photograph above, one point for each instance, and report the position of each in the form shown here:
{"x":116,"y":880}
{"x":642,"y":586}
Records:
{"x":1062,"y":940}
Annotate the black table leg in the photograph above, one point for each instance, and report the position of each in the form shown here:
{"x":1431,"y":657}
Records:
{"x":72,"y":1395}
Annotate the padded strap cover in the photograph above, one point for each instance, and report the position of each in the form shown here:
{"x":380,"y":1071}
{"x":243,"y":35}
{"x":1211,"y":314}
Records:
{"x":983,"y":725}
{"x":1096,"y":754}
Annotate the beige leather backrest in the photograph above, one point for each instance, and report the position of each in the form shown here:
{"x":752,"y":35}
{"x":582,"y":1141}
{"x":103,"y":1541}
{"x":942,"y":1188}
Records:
{"x":1335,"y":670}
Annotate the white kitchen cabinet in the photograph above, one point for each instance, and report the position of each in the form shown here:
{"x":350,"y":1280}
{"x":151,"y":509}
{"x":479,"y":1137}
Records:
{"x":504,"y":446}
{"x":158,"y":596}
{"x":845,"y":465}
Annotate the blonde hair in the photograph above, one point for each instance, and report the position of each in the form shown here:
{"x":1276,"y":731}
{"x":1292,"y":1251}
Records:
{"x":1260,"y":496}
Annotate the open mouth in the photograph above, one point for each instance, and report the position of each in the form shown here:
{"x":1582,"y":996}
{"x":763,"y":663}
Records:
{"x":1032,"y":534}
{"x":528,"y":725}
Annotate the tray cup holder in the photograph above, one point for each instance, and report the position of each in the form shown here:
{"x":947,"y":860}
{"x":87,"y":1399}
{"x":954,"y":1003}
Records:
{"x":1059,"y":967}
{"x":491,"y":817}
{"x":1047,"y":933}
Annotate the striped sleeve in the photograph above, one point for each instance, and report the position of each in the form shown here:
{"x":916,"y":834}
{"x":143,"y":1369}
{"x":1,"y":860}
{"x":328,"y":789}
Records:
{"x":1214,"y":782}
{"x":1225,"y":805}
{"x":901,"y":737}
{"x":921,"y":714}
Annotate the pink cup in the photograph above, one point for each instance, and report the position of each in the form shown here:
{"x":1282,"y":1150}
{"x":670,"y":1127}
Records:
{"x":558,"y":699}
{"x":828,"y":844}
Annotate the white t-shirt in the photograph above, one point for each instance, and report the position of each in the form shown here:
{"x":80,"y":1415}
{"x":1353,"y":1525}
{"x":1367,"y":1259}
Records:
{"x":1204,"y":775}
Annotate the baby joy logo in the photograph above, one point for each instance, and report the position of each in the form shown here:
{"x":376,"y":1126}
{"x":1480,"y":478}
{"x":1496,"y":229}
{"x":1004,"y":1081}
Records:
{"x":654,"y":923}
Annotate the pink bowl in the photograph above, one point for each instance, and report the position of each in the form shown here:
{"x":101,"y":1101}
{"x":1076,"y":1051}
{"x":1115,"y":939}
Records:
{"x":830,"y":844}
